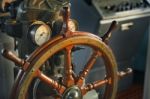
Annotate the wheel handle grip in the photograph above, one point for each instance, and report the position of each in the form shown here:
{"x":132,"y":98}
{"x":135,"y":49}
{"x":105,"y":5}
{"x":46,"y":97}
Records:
{"x":107,"y":35}
{"x":122,"y":74}
{"x":11,"y":56}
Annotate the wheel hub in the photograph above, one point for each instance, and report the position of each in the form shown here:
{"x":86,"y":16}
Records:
{"x":72,"y":93}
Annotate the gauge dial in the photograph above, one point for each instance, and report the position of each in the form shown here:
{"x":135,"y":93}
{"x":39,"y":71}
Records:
{"x":40,"y":33}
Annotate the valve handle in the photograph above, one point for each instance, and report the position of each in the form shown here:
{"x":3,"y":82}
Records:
{"x":107,"y":35}
{"x":11,"y":56}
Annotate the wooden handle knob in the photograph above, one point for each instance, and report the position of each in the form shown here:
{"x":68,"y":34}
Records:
{"x":11,"y":56}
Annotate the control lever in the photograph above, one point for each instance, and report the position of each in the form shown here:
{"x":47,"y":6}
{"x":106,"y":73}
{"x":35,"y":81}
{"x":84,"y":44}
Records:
{"x":122,"y":74}
{"x":11,"y":56}
{"x":107,"y":35}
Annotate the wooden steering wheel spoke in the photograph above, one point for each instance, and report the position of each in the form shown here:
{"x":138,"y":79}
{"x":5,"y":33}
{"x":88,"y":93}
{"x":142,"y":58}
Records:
{"x":69,"y":78}
{"x":94,"y":85}
{"x":52,"y":83}
{"x":87,"y":68}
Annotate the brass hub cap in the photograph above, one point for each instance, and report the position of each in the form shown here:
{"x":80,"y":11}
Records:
{"x":72,"y":93}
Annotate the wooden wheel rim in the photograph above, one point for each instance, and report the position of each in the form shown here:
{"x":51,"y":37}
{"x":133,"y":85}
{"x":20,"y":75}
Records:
{"x":51,"y":48}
